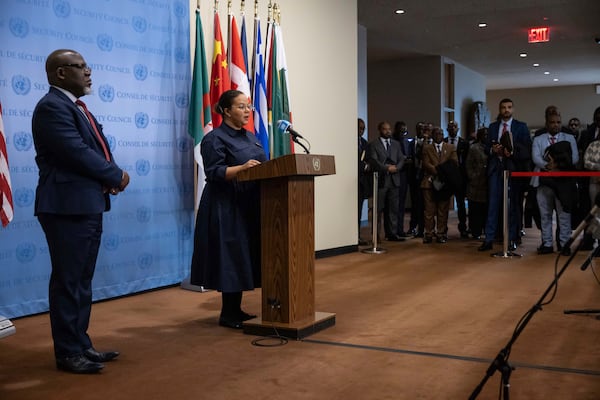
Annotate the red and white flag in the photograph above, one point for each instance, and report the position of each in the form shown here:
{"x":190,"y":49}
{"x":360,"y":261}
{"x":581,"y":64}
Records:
{"x":6,"y":200}
{"x":237,"y":70}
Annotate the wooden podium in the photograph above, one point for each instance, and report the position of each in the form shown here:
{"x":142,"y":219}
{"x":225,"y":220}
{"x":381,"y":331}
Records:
{"x":288,"y":245}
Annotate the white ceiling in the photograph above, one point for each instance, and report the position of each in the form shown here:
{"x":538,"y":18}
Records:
{"x":449,"y":28}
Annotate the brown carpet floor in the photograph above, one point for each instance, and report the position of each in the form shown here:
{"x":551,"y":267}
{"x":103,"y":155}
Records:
{"x":419,"y":322}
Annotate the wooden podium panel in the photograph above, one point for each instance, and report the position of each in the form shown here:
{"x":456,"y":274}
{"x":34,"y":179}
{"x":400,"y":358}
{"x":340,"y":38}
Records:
{"x":288,"y":245}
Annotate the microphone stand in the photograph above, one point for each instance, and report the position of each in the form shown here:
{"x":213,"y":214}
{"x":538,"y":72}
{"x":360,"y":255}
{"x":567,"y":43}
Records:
{"x":295,"y":140}
{"x":500,"y":363}
{"x":584,"y":266}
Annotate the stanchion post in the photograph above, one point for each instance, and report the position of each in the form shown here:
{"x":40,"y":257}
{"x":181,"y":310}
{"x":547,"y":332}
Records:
{"x":505,"y":253}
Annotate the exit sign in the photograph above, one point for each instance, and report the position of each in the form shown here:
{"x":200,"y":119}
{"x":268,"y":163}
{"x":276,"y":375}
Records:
{"x":537,"y":35}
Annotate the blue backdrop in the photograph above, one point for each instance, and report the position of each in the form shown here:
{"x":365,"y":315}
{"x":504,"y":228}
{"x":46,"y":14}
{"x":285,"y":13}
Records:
{"x":139,"y":54}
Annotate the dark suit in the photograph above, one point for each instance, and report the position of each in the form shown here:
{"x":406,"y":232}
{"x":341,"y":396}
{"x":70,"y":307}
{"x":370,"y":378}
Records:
{"x":389,"y":183}
{"x":407,"y":144}
{"x":71,"y":196}
{"x":519,"y":161}
{"x":365,"y":181}
{"x":462,"y":150}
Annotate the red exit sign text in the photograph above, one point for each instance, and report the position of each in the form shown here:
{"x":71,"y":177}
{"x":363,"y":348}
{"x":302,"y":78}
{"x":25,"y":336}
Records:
{"x":537,"y":35}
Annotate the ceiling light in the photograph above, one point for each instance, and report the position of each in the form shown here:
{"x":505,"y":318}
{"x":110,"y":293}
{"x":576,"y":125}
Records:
{"x":523,"y":55}
{"x":546,"y":72}
{"x":399,"y":11}
{"x":555,"y":79}
{"x":536,"y":64}
{"x":482,"y":25}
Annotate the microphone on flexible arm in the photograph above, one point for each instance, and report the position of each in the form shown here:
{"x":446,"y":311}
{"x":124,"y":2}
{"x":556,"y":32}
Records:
{"x":286,"y":127}
{"x":584,"y":223}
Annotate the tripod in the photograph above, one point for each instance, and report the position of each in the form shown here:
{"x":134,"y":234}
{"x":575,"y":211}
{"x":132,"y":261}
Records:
{"x":500,"y":363}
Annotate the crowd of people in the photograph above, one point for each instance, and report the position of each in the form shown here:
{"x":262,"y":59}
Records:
{"x":434,"y":172}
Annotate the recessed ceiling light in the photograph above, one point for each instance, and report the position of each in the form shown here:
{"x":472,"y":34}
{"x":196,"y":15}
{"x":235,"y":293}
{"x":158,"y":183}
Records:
{"x":546,"y":72}
{"x":482,"y":25}
{"x":523,"y":55}
{"x":555,"y":79}
{"x":536,"y":64}
{"x":399,"y":11}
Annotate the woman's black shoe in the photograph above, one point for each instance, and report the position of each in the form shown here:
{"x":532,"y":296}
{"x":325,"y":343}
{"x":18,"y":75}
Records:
{"x":230,"y":323}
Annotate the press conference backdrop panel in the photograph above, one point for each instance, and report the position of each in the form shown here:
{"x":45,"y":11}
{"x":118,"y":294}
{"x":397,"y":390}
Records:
{"x":139,"y":54}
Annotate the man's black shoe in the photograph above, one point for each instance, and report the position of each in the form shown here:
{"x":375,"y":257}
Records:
{"x":566,"y":251}
{"x":100,"y":356}
{"x":427,"y":239}
{"x":512,"y":246}
{"x":78,"y":364}
{"x":545,"y":250}
{"x":485,"y":246}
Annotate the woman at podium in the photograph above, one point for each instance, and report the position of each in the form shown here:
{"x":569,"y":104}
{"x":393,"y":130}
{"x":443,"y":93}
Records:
{"x":227,"y":236}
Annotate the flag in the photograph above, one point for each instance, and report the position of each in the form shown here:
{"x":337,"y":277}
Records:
{"x":219,"y":76}
{"x":259,"y":92}
{"x":6,"y":200}
{"x":245,"y":47}
{"x":280,"y":102}
{"x":199,"y":118}
{"x":237,"y":70}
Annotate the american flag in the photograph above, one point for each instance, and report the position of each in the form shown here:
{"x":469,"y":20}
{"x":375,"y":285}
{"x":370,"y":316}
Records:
{"x":6,"y":201}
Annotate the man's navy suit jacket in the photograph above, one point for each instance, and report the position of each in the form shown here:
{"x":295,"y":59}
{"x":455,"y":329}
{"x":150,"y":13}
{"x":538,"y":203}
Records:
{"x":74,"y":174}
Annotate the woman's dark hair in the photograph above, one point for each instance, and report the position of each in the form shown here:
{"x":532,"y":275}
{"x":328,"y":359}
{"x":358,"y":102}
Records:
{"x":226,"y":100}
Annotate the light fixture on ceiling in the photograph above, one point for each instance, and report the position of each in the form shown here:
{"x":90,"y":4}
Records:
{"x":482,"y":25}
{"x":399,"y":11}
{"x":546,"y":72}
{"x":555,"y":79}
{"x":523,"y":55}
{"x":536,"y":64}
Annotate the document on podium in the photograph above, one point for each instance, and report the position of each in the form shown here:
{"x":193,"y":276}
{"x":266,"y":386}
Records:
{"x":6,"y":327}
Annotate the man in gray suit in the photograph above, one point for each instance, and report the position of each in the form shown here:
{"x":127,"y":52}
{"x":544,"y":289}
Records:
{"x":386,"y":157}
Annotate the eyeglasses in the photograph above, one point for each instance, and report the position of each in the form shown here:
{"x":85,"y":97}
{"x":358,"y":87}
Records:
{"x":244,"y":107}
{"x":78,"y":66}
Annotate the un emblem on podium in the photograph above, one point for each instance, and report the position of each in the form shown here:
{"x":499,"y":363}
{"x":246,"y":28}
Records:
{"x":316,"y":162}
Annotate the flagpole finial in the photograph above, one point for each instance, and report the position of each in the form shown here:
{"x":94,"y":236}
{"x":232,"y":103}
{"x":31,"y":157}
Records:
{"x":277,"y":14}
{"x":228,"y":7}
{"x":243,"y":7}
{"x":216,"y":6}
{"x":270,"y":12}
{"x":255,"y":8}
{"x":197,"y":4}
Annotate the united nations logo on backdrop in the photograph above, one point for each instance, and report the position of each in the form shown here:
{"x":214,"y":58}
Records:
{"x":22,"y":141}
{"x":24,"y":197}
{"x":142,"y":167}
{"x":145,"y":260}
{"x":140,"y":72}
{"x":62,"y":8}
{"x":139,"y":24}
{"x":106,"y":93}
{"x":21,"y":84}
{"x":180,"y":9}
{"x":104,"y":42}
{"x":143,"y":214}
{"x":112,"y":142}
{"x":141,"y":120}
{"x":25,"y":252}
{"x":180,"y":55}
{"x":111,"y":241}
{"x":183,"y":143}
{"x":18,"y":27}
{"x":181,"y":100}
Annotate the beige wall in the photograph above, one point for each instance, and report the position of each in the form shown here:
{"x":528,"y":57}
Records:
{"x":320,"y":40}
{"x":573,"y":101}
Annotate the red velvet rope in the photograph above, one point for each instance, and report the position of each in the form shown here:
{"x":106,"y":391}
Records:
{"x":555,"y":174}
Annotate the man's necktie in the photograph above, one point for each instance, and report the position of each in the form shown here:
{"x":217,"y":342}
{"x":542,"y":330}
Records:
{"x":387,"y":146}
{"x":504,"y":127}
{"x":95,"y":128}
{"x":439,"y":150}
{"x":552,"y":139}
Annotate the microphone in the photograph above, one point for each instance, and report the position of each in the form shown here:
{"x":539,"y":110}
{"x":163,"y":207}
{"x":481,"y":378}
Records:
{"x":584,"y":223}
{"x":286,"y":127}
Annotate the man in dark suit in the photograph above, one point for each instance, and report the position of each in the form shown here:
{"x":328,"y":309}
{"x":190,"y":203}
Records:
{"x":462,"y":149}
{"x":407,"y":146}
{"x":385,"y":157}
{"x":76,"y":174}
{"x":509,"y":148}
